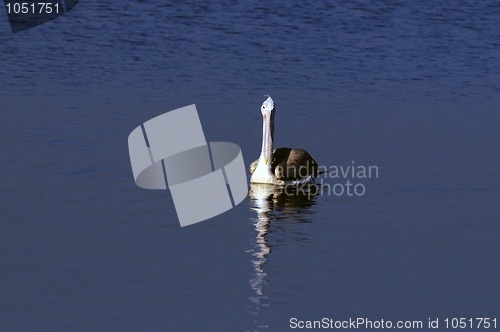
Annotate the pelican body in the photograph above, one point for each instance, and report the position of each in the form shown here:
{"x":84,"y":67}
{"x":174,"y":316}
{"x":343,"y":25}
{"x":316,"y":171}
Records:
{"x":281,"y":166}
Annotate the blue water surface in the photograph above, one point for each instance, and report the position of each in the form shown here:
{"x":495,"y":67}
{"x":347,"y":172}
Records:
{"x":411,"y":87}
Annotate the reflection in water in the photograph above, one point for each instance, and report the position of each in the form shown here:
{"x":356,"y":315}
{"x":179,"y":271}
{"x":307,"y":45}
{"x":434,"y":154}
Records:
{"x":272,"y":203}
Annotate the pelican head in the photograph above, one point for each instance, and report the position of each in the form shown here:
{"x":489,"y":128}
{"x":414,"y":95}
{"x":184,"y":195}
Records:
{"x":267,"y":107}
{"x":262,"y":173}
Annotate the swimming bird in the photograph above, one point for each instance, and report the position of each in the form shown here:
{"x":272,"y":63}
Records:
{"x":282,"y":166}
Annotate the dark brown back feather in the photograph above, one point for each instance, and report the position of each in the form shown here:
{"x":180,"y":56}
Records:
{"x":290,"y":164}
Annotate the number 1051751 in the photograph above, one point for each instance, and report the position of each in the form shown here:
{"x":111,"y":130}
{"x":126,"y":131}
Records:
{"x":473,"y":323}
{"x":33,"y":8}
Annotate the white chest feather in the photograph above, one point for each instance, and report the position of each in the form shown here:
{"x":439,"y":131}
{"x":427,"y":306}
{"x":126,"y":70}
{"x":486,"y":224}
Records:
{"x":262,"y":174}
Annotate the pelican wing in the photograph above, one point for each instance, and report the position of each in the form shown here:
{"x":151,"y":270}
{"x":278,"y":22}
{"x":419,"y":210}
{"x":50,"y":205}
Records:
{"x":290,"y":164}
{"x":293,"y":164}
{"x":253,"y":166}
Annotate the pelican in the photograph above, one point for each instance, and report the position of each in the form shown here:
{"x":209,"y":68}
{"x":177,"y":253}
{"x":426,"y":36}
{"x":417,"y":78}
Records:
{"x":282,"y":166}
